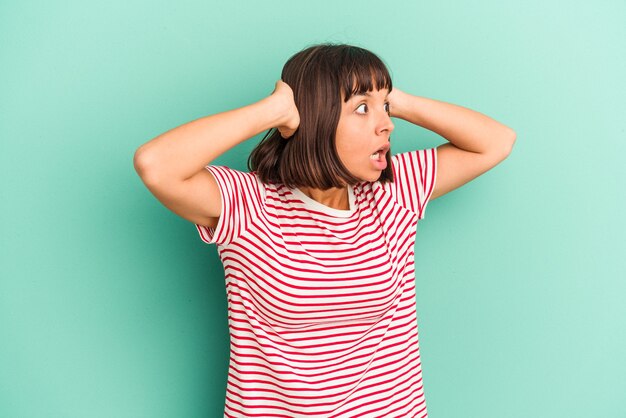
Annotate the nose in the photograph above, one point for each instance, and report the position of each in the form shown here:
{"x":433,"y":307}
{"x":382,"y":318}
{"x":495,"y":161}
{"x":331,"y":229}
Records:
{"x":385,"y":125}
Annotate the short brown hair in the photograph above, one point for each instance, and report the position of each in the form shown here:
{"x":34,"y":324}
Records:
{"x":319,"y":75}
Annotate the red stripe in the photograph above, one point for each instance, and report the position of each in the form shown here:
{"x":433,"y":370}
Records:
{"x":312,"y":296}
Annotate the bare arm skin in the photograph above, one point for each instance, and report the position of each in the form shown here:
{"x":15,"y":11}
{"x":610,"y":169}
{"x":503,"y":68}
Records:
{"x":477,"y":143}
{"x":172,"y":165}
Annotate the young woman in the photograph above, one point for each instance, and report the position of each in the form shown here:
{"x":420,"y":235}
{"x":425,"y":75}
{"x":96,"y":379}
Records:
{"x":317,"y":238}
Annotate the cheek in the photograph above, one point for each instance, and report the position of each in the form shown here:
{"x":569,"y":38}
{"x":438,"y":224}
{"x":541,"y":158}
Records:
{"x":349,"y":140}
{"x":349,"y":136}
{"x":349,"y":148}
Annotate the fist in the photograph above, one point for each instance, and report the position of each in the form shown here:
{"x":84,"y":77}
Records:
{"x":290,"y":119}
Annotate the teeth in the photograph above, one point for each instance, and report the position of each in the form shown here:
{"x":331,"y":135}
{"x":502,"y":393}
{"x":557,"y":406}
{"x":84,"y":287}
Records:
{"x":375,"y":156}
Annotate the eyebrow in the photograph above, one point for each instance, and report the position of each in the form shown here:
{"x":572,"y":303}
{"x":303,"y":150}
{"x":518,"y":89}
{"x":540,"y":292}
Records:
{"x":368,"y":94}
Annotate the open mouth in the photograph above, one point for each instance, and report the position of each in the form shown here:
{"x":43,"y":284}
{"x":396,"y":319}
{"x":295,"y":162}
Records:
{"x":376,"y":155}
{"x":380,"y":153}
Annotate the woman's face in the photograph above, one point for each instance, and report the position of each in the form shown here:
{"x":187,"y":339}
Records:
{"x":362,"y":138}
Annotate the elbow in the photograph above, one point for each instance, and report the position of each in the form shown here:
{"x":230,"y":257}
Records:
{"x":140,"y":160}
{"x":144,"y":165}
{"x":508,"y":142}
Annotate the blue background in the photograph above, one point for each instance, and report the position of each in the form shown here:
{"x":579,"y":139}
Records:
{"x":111,"y":306}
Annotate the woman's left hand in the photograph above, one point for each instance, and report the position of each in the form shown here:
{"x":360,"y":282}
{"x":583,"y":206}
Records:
{"x":396,"y":102}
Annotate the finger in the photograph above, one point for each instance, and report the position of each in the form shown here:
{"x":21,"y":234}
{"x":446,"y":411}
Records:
{"x":287,"y":134}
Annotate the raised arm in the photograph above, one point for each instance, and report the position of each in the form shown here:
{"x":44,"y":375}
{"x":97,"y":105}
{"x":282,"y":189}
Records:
{"x":172,"y":165}
{"x":477,"y":143}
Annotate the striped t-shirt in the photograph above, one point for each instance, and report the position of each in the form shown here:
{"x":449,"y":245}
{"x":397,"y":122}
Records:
{"x":321,"y":301}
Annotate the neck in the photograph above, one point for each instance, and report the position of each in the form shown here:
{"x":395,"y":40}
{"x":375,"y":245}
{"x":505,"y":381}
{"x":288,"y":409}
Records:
{"x":336,"y":198}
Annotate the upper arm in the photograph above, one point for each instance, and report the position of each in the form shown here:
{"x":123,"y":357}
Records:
{"x":197,"y":199}
{"x":456,"y":166}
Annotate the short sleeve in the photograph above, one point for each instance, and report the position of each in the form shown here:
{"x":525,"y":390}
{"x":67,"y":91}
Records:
{"x":414,"y":179}
{"x":242,"y":195}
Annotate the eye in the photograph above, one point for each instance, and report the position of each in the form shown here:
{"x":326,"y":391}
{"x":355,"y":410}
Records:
{"x":362,"y":105}
{"x":387,"y":108}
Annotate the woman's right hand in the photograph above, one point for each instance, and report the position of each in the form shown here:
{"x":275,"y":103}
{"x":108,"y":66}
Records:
{"x":291,"y":117}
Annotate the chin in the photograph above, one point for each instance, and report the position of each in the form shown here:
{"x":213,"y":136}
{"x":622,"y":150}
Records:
{"x":372,"y":178}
